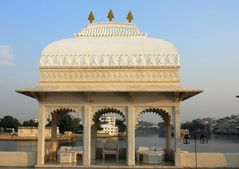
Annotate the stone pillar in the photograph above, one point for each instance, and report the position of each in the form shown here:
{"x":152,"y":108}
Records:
{"x":87,"y":136}
{"x":168,"y":136}
{"x":177,"y":136}
{"x":131,"y":136}
{"x":93,"y":141}
{"x":54,"y":144}
{"x":41,"y":135}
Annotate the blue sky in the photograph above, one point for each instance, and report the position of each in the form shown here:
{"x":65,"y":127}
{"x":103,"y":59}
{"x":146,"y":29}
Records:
{"x":206,"y":34}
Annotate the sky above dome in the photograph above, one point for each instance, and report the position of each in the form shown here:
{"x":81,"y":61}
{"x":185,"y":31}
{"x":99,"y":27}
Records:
{"x":204,"y":32}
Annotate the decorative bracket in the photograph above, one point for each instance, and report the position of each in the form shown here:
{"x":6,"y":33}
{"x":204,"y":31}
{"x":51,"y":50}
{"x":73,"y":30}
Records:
{"x":178,"y":97}
{"x":87,"y":97}
{"x":130,"y":96}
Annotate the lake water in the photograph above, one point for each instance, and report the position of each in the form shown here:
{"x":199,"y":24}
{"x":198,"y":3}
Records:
{"x":224,"y":144}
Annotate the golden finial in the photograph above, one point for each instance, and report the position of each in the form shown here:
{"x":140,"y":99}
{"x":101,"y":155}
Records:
{"x":110,"y":15}
{"x":91,"y":17}
{"x":130,"y":16}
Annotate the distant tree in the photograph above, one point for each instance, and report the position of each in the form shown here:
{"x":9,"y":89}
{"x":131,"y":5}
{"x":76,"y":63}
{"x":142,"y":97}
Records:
{"x":68,"y":123}
{"x":193,"y":126}
{"x":188,"y":125}
{"x":9,"y":122}
{"x":30,"y":123}
{"x":121,"y":126}
{"x":49,"y":122}
{"x":198,"y":125}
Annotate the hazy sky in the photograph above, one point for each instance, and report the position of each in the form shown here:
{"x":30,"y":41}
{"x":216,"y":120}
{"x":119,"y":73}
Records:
{"x":206,"y":34}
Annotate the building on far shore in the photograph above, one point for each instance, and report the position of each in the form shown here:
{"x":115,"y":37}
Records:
{"x":108,"y":126}
{"x":31,"y":132}
{"x":36,"y":118}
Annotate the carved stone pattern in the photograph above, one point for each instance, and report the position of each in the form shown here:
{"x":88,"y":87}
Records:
{"x":109,"y":29}
{"x":84,"y":75}
{"x":120,"y":108}
{"x":50,"y":108}
{"x":140,"y":109}
{"x":118,"y":60}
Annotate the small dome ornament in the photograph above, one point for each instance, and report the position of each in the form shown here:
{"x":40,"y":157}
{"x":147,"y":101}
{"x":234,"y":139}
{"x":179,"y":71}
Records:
{"x":110,"y":15}
{"x":130,"y":17}
{"x":91,"y":17}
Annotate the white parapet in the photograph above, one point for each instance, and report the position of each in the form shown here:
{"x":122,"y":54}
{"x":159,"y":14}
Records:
{"x":210,"y":160}
{"x":17,"y":159}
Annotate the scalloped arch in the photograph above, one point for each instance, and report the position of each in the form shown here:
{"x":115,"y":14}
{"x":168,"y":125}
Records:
{"x":164,"y":114}
{"x":63,"y":110}
{"x":103,"y":111}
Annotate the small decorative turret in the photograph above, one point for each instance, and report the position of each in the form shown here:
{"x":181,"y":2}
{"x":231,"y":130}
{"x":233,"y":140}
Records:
{"x":91,"y":17}
{"x":130,"y":17}
{"x":110,"y":15}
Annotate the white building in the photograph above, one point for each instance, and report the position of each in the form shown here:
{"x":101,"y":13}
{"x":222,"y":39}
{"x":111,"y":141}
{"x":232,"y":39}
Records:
{"x":108,"y":126}
{"x":36,"y":118}
{"x":110,"y":67}
{"x":24,"y":131}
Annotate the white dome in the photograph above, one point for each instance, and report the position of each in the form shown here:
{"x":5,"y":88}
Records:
{"x":110,"y":44}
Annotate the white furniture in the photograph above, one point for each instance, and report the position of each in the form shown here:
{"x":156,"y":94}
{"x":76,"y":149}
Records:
{"x":110,"y":147}
{"x":140,"y":151}
{"x":66,"y":157}
{"x":77,"y":150}
{"x":153,"y":157}
{"x":67,"y":154}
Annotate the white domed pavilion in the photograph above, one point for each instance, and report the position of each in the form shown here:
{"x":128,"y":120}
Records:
{"x":110,"y":67}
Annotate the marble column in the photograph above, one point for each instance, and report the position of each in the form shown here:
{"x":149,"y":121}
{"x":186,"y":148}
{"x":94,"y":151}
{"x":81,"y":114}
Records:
{"x":54,"y":144}
{"x":131,"y":136}
{"x":93,"y":141}
{"x":177,"y":136}
{"x":41,"y":134}
{"x":87,"y":136}
{"x":168,"y":136}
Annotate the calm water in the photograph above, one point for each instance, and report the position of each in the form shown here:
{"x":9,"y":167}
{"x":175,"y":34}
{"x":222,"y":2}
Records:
{"x":226,"y":144}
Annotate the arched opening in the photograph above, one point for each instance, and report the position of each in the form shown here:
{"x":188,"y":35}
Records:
{"x":108,"y":136}
{"x":153,"y":137}
{"x":66,"y":136}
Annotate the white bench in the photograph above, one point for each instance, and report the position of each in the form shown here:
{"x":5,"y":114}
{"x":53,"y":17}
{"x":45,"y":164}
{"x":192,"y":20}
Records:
{"x":110,"y":147}
{"x":149,"y":152}
{"x":140,"y":150}
{"x":153,"y":157}
{"x":67,"y":154}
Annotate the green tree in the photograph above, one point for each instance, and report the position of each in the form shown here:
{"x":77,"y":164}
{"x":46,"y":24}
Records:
{"x":188,"y":125}
{"x":121,"y":126}
{"x":193,"y":126}
{"x":9,"y":122}
{"x":30,"y":123}
{"x":68,"y":123}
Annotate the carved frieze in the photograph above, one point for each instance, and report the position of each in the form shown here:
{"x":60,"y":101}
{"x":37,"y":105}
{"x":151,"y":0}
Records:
{"x":113,"y":75}
{"x":115,"y":60}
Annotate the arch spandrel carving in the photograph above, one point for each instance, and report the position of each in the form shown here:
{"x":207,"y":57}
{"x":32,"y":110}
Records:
{"x":98,"y":108}
{"x":49,"y":109}
{"x":164,"y":112}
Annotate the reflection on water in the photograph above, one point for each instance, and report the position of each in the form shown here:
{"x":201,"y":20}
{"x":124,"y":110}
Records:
{"x":227,"y":144}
